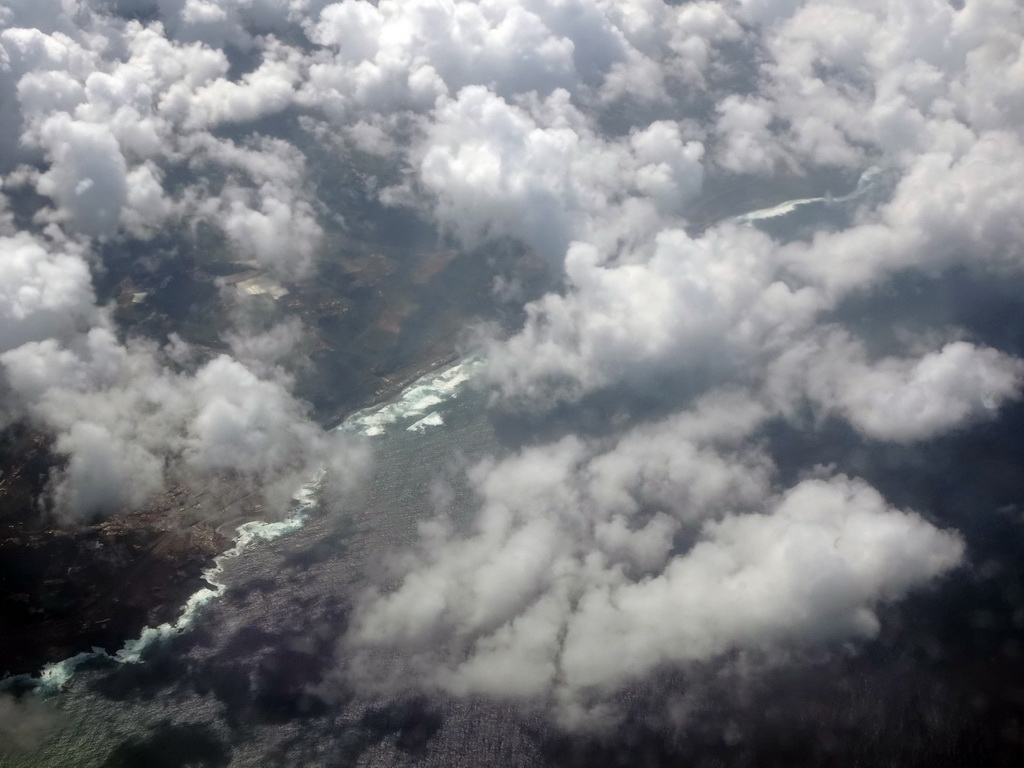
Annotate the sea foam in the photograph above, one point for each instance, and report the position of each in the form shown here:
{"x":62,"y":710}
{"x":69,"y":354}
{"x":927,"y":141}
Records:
{"x":55,"y":676}
{"x":416,"y":402}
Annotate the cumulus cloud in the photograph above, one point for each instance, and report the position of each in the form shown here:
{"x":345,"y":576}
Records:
{"x":111,"y":129}
{"x":263,"y":207}
{"x":542,"y":172}
{"x":591,"y":566}
{"x":113,"y":120}
{"x":814,"y":565}
{"x":669,"y":301}
{"x":746,"y":144}
{"x":46,"y":290}
{"x":900,"y":399}
{"x":266,"y":90}
{"x":711,"y":302}
{"x":128,"y":424}
{"x":391,"y":56}
{"x":278,"y":350}
{"x":86,"y":176}
{"x":948,"y":209}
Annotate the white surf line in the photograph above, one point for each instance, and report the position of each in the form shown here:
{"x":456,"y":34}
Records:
{"x":430,"y":420}
{"x":55,"y":676}
{"x":870,"y":178}
{"x":423,"y":394}
{"x":777,"y":210}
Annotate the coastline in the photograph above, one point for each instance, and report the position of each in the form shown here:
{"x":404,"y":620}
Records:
{"x":169,"y":600}
{"x":394,"y":385}
{"x":99,"y":585}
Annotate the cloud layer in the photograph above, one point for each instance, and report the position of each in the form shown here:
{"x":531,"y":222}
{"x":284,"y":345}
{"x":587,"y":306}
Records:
{"x":590,"y":566}
{"x":617,"y":141}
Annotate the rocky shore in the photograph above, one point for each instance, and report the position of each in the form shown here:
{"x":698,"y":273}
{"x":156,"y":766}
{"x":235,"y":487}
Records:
{"x":64,"y":591}
{"x":67,"y":590}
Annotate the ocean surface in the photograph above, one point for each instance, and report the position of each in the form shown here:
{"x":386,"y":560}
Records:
{"x":250,"y":673}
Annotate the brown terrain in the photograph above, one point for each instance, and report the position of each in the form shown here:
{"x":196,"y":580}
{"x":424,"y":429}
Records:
{"x":65,"y":589}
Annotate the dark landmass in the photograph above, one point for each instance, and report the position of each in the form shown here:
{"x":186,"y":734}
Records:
{"x":67,"y":590}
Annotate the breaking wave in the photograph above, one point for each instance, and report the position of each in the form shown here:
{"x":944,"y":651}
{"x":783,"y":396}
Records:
{"x":417,"y":402}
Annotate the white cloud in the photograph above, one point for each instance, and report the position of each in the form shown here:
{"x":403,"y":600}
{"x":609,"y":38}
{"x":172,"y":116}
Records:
{"x":147,"y":207}
{"x":710,"y":303}
{"x":46,"y":290}
{"x":949,"y":208}
{"x":86,"y":176}
{"x":814,"y":566}
{"x":900,"y":399}
{"x":588,"y":568}
{"x":263,"y":207}
{"x":747,"y":145}
{"x":105,"y":472}
{"x":109,"y":129}
{"x":541,"y":173}
{"x":390,"y":56}
{"x":543,"y":510}
{"x":266,"y":90}
{"x":128,"y":425}
{"x":270,"y":352}
{"x":116,"y":115}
